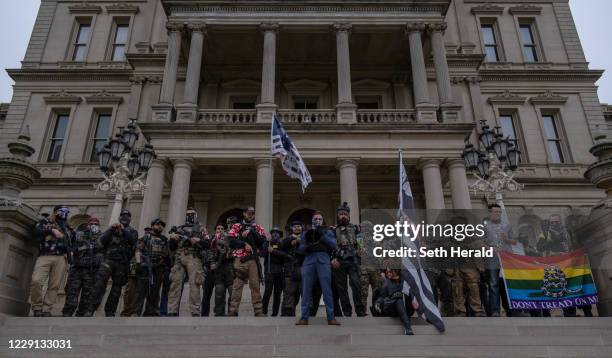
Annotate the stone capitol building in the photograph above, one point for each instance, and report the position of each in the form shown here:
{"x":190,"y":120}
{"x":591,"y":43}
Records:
{"x":351,"y":81}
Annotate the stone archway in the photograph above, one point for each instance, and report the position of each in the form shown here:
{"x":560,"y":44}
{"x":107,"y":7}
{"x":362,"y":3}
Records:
{"x":237,"y":212}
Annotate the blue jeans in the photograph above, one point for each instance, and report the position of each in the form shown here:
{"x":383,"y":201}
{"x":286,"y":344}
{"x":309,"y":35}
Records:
{"x":494,"y":299}
{"x":310,"y":273}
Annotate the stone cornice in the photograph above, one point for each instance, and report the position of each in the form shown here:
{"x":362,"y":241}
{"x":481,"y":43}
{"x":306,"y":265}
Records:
{"x":541,"y":75}
{"x":104,"y":97}
{"x":122,"y":8}
{"x":507,"y":98}
{"x":548,"y":98}
{"x":82,"y":74}
{"x":525,"y":9}
{"x":84,"y":8}
{"x":62,"y":97}
{"x":489,"y":9}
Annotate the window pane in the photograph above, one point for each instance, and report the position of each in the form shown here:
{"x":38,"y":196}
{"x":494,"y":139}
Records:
{"x":530,"y":54}
{"x":556,"y":156}
{"x":118,"y":53}
{"x":55,"y":150}
{"x":488,"y":35}
{"x":79,"y":53}
{"x":526,"y":35}
{"x":491,"y":54}
{"x":549,"y":128}
{"x":83,"y":34}
{"x":121,"y":35}
{"x":60,"y":127}
{"x":244,"y":105}
{"x":507,"y":125}
{"x":103,"y":127}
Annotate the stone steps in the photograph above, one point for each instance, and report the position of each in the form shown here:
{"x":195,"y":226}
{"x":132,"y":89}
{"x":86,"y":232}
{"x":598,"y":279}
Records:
{"x":278,"y":336}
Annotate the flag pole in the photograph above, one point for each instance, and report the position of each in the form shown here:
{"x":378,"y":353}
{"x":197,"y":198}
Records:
{"x":401,"y":197}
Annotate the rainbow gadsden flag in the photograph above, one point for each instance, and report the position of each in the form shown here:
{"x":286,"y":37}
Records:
{"x":548,"y":282}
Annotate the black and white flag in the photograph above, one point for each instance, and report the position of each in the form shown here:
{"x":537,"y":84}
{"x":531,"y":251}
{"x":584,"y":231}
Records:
{"x":415,"y":280}
{"x":291,"y":160}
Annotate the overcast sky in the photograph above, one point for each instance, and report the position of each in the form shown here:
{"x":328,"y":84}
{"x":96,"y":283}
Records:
{"x":591,"y":16}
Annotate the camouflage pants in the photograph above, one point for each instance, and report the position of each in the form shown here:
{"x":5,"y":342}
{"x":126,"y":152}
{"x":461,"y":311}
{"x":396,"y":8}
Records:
{"x":118,"y":272}
{"x":245,"y":272}
{"x":78,"y":289}
{"x":48,"y":272}
{"x":291,"y":296}
{"x":369,"y":277}
{"x":139,"y":290}
{"x":224,"y":279}
{"x":465,"y":281}
{"x":185,"y":264}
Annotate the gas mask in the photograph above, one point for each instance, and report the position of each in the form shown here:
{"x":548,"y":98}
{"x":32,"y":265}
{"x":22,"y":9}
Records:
{"x":191,"y":218}
{"x":62,"y":213}
{"x":125,"y":220}
{"x":94,"y":229}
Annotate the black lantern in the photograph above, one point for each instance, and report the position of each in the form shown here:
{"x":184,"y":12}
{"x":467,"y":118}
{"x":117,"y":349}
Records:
{"x":146,"y":157}
{"x":514,"y":156}
{"x":487,"y":137}
{"x":117,"y":147}
{"x":470,"y":156}
{"x":483,"y":165}
{"x":104,"y":158}
{"x":133,"y":166}
{"x":500,"y":146}
{"x":130,"y":135}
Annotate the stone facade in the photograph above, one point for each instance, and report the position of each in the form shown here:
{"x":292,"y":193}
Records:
{"x":353,"y":81}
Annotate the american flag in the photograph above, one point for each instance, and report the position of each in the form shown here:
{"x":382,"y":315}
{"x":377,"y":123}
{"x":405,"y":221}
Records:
{"x":413,"y":275}
{"x":291,"y":160}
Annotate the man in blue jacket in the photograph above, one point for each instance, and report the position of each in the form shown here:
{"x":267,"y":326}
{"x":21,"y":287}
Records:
{"x":317,"y":245}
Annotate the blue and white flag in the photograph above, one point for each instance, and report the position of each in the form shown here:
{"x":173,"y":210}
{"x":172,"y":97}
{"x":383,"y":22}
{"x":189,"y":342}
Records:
{"x":291,"y":160}
{"x":415,"y":280}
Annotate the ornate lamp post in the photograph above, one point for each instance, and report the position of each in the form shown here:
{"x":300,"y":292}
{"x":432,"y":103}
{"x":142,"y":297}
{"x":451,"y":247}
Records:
{"x":493,"y":163}
{"x":124,"y":166}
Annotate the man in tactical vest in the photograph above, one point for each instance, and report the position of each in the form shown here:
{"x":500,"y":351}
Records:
{"x":54,"y":239}
{"x":219,"y":257}
{"x":274,"y":260}
{"x":148,"y":268}
{"x":188,"y":240}
{"x":292,"y":269}
{"x":86,"y":259}
{"x":317,"y":244}
{"x":346,"y":262}
{"x":117,"y":244}
{"x":246,"y":239}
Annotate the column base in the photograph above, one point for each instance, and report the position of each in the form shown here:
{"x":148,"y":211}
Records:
{"x":426,"y":113}
{"x":163,"y":113}
{"x":346,"y":113}
{"x":450,"y":113}
{"x":265,"y":112}
{"x":187,"y":113}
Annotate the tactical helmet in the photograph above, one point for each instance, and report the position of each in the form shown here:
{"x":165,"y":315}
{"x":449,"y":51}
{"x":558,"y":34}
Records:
{"x":296,"y":222}
{"x":343,"y":207}
{"x":125,"y":212}
{"x":158,"y":221}
{"x":276,"y":229}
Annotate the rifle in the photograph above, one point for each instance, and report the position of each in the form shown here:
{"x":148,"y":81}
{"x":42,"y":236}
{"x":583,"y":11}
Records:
{"x":149,"y":244}
{"x":67,"y":241}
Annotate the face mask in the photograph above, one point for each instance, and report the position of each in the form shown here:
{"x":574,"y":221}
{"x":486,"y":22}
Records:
{"x":94,"y":229}
{"x":275,"y":236}
{"x":125,"y":220}
{"x":62,"y":213}
{"x":192,"y":218}
{"x":317,"y":221}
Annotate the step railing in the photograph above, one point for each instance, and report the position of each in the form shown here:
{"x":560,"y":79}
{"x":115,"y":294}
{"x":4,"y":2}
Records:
{"x":367,"y":116}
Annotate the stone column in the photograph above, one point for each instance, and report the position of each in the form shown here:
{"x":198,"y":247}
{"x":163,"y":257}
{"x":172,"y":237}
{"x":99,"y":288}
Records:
{"x":264,"y":192}
{"x":153,"y":193}
{"x":426,"y":111}
{"x":459,"y":186}
{"x":345,"y":107}
{"x":179,"y":194}
{"x":187,"y":112}
{"x":163,"y":112}
{"x":450,"y":110}
{"x":348,"y":185}
{"x":267,"y":107}
{"x":136,"y":83}
{"x":434,"y":191}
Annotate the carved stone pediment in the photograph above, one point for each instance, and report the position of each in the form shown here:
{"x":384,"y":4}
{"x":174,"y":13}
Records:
{"x":548,"y":98}
{"x":241,"y":84}
{"x":507,"y":98}
{"x":305,"y":84}
{"x":84,"y":8}
{"x":371,"y":84}
{"x":63,"y":97}
{"x":488,"y":9}
{"x":104,"y":97}
{"x":122,"y":8}
{"x":525,"y":9}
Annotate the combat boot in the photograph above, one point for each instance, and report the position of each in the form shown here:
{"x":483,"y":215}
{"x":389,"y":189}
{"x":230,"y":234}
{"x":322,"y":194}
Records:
{"x":37,"y":313}
{"x":408,"y":331}
{"x":261,"y":314}
{"x":333,"y":322}
{"x":302,"y":322}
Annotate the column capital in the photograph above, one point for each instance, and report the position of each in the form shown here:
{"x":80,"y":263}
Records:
{"x":424,"y":163}
{"x":342,"y":27}
{"x":347,"y":163}
{"x":439,"y":27}
{"x":269,"y":27}
{"x":454,"y":163}
{"x":197,"y":27}
{"x":137,"y":80}
{"x":263,"y":162}
{"x":186,"y":163}
{"x":172,"y":26}
{"x":415,"y":27}
{"x":159,"y":163}
{"x":473,"y":80}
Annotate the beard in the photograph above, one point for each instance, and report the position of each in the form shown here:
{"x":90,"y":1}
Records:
{"x":343,"y":220}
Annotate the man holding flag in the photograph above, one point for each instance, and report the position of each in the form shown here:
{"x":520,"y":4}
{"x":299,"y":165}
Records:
{"x":291,"y":160}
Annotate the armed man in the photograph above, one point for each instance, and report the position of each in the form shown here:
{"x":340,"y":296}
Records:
{"x":274,"y":260}
{"x":346,"y":262}
{"x":208,"y":287}
{"x":292,"y":269}
{"x":86,"y":259}
{"x":117,"y":244}
{"x":188,"y":241}
{"x":246,"y":239}
{"x":149,"y":266}
{"x":221,"y":265}
{"x":369,"y":270}
{"x":54,"y":239}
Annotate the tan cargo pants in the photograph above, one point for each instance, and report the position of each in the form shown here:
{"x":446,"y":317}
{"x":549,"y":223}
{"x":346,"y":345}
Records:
{"x":185,"y":263}
{"x":48,"y":272}
{"x":465,"y":285}
{"x":243,"y":272}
